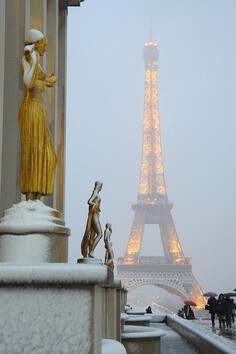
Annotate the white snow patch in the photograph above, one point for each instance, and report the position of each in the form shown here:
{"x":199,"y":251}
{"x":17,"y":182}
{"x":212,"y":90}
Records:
{"x":139,"y":318}
{"x":124,"y":316}
{"x":141,"y":332}
{"x":110,"y":346}
{"x":13,"y":273}
{"x":136,"y":312}
{"x":157,"y":318}
{"x":28,"y":217}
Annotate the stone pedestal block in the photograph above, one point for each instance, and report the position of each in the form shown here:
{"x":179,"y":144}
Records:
{"x":138,"y":339}
{"x":110,"y":314}
{"x":51,"y":308}
{"x":31,"y":232}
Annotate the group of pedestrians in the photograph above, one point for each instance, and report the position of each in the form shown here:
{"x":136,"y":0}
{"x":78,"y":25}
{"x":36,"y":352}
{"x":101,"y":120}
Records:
{"x":186,"y":312}
{"x":224,"y":308}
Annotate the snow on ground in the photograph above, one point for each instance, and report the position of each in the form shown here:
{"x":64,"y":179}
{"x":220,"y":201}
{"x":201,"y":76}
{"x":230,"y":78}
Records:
{"x":172,"y":342}
{"x":205,"y":334}
{"x":228,"y":333}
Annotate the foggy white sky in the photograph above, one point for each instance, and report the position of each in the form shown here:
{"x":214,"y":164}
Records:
{"x":196,"y":82}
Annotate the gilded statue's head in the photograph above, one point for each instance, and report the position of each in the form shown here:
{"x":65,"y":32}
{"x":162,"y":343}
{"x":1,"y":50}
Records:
{"x":98,"y":186}
{"x":38,"y":39}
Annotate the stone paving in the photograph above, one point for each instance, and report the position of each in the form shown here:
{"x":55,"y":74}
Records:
{"x":228,"y":333}
{"x":172,"y":342}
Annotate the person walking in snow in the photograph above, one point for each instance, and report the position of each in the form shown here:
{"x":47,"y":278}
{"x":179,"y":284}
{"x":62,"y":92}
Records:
{"x":228,"y":311}
{"x":233,"y":311}
{"x":221,"y":310}
{"x":211,"y":304}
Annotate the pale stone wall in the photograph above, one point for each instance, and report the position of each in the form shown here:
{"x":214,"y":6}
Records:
{"x":2,"y":57}
{"x":16,"y":18}
{"x":11,"y":96}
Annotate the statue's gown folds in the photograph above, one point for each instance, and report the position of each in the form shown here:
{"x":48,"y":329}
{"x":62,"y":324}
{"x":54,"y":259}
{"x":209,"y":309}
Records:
{"x":38,"y":158}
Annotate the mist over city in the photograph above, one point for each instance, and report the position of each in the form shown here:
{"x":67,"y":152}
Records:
{"x":195,"y":80}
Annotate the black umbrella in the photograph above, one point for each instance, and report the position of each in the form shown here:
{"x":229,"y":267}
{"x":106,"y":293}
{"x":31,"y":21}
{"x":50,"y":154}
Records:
{"x":230,"y":294}
{"x":234,"y":289}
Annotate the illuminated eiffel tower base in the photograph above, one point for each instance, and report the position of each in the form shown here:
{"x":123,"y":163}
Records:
{"x":173,"y":272}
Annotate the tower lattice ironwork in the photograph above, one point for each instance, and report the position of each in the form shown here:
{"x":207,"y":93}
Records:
{"x":173,"y":271}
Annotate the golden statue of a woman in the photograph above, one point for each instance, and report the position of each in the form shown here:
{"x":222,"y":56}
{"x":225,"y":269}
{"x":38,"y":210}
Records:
{"x":38,"y":158}
{"x":93,"y":232}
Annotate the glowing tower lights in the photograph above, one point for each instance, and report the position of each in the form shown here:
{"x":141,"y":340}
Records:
{"x":152,"y":205}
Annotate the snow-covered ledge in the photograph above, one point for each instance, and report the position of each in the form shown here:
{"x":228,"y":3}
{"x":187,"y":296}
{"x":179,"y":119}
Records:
{"x":31,"y":232}
{"x":51,"y":308}
{"x":139,"y":339}
{"x":201,"y":339}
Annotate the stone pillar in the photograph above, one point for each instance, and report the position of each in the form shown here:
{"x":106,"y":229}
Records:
{"x":118,"y":309}
{"x":13,"y":11}
{"x":60,"y":128}
{"x":110,"y":313}
{"x":124,"y":292}
{"x":2,"y":61}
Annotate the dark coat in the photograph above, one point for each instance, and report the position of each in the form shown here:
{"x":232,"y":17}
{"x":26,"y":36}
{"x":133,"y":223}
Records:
{"x":221,"y":307}
{"x":228,"y":306}
{"x":212,"y":303}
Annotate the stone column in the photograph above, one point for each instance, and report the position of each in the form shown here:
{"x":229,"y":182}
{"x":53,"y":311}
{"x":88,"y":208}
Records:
{"x":124,"y":292}
{"x":2,"y":61}
{"x":13,"y":11}
{"x":118,"y":309}
{"x":60,"y":127}
{"x":109,"y":327}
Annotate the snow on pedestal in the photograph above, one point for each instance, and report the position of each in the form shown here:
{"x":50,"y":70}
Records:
{"x":33,"y":232}
{"x":51,"y":308}
{"x":110,"y":346}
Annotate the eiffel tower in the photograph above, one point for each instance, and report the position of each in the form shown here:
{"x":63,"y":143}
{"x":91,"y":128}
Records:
{"x":172,"y":272}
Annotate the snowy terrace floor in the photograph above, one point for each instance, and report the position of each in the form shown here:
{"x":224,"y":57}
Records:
{"x":228,"y":333}
{"x":172,"y":342}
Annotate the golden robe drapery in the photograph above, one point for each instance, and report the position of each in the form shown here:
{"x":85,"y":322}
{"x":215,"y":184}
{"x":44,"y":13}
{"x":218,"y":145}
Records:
{"x":38,"y":158}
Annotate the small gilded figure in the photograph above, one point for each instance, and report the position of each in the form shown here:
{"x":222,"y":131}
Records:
{"x":93,"y":232}
{"x":38,"y":157}
{"x":109,"y":255}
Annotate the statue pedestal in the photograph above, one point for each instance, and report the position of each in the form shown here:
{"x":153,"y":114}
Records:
{"x":31,"y":232}
{"x":94,"y":260}
{"x":51,"y":308}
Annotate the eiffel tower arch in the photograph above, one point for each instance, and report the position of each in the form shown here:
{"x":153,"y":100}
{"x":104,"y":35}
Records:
{"x":173,"y":272}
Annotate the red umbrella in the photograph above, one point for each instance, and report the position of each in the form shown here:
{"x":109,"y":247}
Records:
{"x":190,"y":303}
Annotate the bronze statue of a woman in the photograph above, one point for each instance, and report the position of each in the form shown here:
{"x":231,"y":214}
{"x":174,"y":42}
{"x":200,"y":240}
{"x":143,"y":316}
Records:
{"x":38,"y":157}
{"x":109,"y":255}
{"x":93,"y":232}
